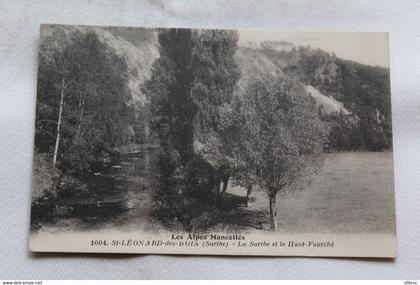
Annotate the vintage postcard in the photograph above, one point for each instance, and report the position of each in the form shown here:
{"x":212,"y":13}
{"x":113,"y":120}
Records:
{"x":220,"y":142}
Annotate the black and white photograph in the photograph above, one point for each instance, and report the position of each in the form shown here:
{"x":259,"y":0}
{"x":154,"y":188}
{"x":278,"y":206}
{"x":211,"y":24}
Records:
{"x":225,"y":142}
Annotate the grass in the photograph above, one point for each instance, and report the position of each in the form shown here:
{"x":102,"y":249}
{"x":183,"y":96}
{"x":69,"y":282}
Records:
{"x":352,"y":193}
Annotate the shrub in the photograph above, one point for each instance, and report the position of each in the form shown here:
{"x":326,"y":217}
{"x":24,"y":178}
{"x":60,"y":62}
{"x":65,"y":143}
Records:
{"x":45,"y":176}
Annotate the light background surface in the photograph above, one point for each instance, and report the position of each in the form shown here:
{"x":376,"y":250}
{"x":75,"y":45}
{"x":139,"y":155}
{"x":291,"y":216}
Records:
{"x":19,"y":26}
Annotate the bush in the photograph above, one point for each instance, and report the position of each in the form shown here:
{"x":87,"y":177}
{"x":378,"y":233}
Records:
{"x":187,"y":196}
{"x":45,"y":176}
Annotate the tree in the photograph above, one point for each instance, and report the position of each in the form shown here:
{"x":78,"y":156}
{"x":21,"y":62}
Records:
{"x":216,"y":75}
{"x":283,"y":137}
{"x":83,"y":99}
{"x":53,"y":81}
{"x":192,"y":79}
{"x":194,"y":76}
{"x":234,"y":131}
{"x":172,"y":114}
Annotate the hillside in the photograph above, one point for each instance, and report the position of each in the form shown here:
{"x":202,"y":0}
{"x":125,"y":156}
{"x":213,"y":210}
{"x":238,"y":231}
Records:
{"x":329,"y":104}
{"x":255,"y":66}
{"x":139,"y":57}
{"x":339,"y":87}
{"x":354,"y":99}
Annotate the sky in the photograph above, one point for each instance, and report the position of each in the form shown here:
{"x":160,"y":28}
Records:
{"x":367,"y":48}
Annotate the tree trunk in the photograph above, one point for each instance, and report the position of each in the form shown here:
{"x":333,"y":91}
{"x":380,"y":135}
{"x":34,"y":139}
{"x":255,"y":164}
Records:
{"x":81,"y":114}
{"x":60,"y":113}
{"x":248,"y":193}
{"x":273,"y":212}
{"x":79,"y":126}
{"x":225,"y":180}
{"x":217,"y":189}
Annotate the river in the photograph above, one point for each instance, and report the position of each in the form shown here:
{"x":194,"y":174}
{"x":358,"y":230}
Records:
{"x":119,"y":195}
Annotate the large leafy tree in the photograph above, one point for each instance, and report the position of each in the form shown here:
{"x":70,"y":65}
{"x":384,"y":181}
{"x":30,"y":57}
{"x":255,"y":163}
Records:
{"x":216,"y":75}
{"x":283,"y":137}
{"x":172,"y":108}
{"x":235,"y":131}
{"x":191,"y":81}
{"x":83,"y":99}
{"x":193,"y":78}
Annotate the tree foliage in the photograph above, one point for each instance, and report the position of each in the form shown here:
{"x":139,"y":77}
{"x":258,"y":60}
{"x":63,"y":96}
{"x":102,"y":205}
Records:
{"x":191,"y":81}
{"x":91,"y":81}
{"x":216,"y":75}
{"x":282,"y":137}
{"x":171,"y":106}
